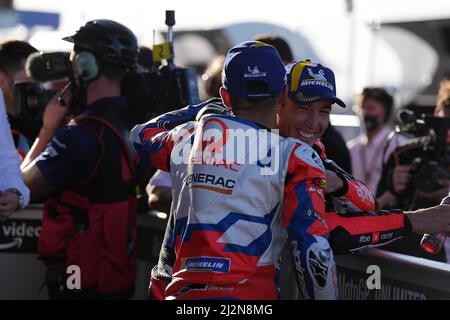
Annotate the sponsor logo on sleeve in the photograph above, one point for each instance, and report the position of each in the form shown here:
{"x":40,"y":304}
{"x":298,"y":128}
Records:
{"x":365,"y":238}
{"x":206,"y":264}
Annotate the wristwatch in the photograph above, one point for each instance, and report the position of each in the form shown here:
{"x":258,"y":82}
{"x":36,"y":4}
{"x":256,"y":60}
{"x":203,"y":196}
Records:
{"x":17,"y":192}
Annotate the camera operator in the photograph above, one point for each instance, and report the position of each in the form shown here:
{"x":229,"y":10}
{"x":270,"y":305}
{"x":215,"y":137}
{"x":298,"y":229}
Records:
{"x":399,"y":185}
{"x":13,"y":54}
{"x":86,"y":171}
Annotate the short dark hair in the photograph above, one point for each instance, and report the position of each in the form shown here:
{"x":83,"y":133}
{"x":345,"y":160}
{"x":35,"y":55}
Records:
{"x":112,"y":72}
{"x":13,"y":53}
{"x":381,"y":95}
{"x":213,"y":76}
{"x":145,"y":57}
{"x":283,"y":48}
{"x":246,"y":104}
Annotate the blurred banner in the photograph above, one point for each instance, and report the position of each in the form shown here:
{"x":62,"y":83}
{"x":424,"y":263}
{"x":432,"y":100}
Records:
{"x":401,"y":277}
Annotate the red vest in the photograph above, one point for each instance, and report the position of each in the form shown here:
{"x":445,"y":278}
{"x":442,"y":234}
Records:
{"x":92,"y":223}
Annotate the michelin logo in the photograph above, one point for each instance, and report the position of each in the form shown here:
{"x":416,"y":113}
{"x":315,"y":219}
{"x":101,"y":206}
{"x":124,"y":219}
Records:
{"x":317,"y":83}
{"x":318,"y":79}
{"x":319,"y":75}
{"x":254,"y":72}
{"x":207,"y":264}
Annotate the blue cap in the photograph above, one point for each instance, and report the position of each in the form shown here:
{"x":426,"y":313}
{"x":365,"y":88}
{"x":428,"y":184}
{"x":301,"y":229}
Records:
{"x":254,"y":69}
{"x":309,"y":82}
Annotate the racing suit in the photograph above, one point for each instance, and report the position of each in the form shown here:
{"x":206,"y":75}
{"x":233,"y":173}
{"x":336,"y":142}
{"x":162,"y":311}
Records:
{"x":231,"y":221}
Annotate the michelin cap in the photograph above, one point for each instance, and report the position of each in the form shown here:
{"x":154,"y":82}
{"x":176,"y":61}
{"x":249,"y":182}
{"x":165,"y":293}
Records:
{"x":254,"y":69}
{"x":309,"y":81}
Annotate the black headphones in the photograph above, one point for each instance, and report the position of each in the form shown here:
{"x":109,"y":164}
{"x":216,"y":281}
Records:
{"x":87,"y":66}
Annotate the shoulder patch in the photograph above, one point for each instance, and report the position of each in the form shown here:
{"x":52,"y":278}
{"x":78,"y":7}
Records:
{"x":308,"y":155}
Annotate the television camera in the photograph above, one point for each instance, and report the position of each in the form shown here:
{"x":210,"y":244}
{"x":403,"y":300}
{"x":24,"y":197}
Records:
{"x":149,"y":92}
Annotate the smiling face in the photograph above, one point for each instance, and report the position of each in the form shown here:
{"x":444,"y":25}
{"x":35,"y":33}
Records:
{"x":304,"y":122}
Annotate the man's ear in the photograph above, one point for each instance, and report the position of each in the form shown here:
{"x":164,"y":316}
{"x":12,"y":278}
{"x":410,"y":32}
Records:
{"x":225,"y":97}
{"x":3,"y":80}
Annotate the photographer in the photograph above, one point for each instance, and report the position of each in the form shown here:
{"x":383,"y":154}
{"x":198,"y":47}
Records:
{"x":86,"y":171}
{"x":415,"y":174}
